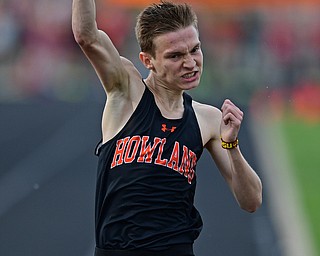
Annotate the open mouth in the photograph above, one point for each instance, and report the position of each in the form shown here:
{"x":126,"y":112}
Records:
{"x":189,"y":75}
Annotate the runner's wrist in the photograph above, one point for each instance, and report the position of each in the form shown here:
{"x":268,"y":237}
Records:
{"x":229,"y":145}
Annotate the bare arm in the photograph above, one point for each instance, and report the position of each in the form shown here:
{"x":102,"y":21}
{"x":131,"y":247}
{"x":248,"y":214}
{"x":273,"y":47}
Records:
{"x":121,"y":80}
{"x":97,"y":46}
{"x":241,"y":178}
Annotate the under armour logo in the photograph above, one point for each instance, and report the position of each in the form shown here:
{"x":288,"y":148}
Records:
{"x":165,"y":129}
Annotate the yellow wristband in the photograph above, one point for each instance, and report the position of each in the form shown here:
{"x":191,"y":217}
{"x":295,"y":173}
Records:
{"x":229,"y":145}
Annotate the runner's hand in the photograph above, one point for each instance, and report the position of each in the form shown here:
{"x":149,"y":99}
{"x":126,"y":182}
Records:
{"x":231,"y":121}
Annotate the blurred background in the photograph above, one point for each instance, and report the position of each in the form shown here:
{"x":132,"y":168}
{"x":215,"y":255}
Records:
{"x":264,"y":55}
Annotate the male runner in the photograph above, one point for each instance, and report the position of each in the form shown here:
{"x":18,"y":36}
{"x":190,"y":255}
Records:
{"x":153,"y":134}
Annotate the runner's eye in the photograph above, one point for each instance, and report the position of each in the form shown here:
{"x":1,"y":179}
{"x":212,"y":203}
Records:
{"x":175,"y":56}
{"x":195,"y":49}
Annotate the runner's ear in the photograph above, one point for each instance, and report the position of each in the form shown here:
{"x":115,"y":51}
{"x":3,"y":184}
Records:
{"x":145,"y":58}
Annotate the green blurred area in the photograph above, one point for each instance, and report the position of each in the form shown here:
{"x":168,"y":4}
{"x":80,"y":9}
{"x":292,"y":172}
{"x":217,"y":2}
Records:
{"x":303,"y":139}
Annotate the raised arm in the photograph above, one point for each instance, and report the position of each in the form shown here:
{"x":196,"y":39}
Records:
{"x":97,"y":46}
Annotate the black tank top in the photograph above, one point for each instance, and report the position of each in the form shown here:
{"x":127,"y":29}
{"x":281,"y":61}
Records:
{"x":146,"y":180}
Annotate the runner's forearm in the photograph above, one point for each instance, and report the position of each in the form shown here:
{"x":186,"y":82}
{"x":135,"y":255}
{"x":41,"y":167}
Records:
{"x":246,"y":184}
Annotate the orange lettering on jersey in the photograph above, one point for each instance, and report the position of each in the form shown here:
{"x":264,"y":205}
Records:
{"x":158,"y":160}
{"x":193,"y":162}
{"x":174,"y":159}
{"x":185,"y":162}
{"x":118,"y":154}
{"x":146,"y":152}
{"x":127,"y":152}
{"x":130,"y":158}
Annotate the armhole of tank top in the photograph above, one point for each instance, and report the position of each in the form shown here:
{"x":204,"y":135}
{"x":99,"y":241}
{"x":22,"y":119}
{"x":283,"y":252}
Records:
{"x":97,"y":148}
{"x":101,"y":145}
{"x":189,"y":98}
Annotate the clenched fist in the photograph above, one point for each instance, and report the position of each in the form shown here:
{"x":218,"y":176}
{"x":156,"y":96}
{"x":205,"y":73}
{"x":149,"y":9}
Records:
{"x":231,"y":121}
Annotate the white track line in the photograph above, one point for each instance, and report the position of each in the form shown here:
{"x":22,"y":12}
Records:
{"x":287,"y":213}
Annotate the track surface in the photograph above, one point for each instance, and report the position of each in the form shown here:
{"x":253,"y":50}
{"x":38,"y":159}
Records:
{"x":47,"y":180}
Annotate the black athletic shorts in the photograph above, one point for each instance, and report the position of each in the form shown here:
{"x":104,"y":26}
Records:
{"x":177,"y":250}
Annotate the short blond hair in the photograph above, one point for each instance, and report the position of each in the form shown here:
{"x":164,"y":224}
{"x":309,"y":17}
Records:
{"x":158,"y":19}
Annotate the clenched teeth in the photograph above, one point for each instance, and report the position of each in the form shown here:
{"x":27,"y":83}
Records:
{"x":189,"y":75}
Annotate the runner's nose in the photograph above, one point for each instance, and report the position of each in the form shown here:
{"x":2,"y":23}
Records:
{"x":189,"y":61}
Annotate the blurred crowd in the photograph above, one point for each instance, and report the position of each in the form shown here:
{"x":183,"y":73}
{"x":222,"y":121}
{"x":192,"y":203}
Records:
{"x":247,"y":51}
{"x":38,"y":56}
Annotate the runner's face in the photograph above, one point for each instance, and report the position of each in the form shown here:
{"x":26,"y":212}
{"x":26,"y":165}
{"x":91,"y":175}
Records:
{"x":178,"y":59}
